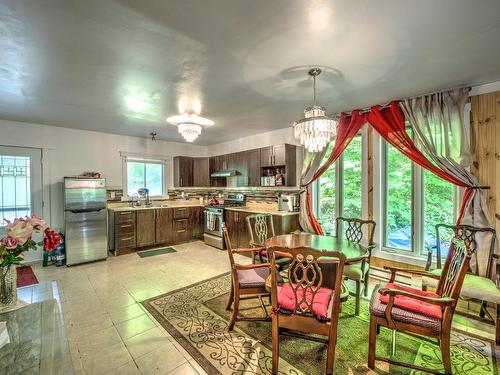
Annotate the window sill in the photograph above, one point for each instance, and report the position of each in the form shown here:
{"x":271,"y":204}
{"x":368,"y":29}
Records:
{"x":412,"y":259}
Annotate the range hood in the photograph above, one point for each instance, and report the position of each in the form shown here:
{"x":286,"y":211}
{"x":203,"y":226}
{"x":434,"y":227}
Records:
{"x":225,"y":173}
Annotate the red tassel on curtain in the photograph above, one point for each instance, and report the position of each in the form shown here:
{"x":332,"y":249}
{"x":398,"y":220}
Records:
{"x":390,"y":124}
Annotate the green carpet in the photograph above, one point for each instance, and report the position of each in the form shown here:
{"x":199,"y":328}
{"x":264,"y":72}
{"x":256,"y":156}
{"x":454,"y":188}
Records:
{"x":196,"y":317}
{"x":153,"y":252}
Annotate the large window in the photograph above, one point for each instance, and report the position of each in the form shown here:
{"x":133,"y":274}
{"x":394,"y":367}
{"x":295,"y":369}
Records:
{"x":415,"y":200}
{"x":145,"y":174}
{"x":345,"y":177}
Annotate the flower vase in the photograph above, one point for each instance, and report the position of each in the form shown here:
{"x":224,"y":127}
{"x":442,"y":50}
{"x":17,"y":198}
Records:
{"x":8,"y":287}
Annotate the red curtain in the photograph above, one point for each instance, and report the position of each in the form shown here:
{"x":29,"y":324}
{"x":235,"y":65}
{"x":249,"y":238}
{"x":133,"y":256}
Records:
{"x":347,"y":129}
{"x":390,"y":124}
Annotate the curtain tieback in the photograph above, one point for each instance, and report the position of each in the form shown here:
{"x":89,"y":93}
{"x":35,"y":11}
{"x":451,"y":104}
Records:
{"x":478,"y":187}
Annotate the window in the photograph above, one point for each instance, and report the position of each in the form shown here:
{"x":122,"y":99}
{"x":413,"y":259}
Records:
{"x":20,"y":183}
{"x":344,"y":176}
{"x":145,"y":174}
{"x":415,"y":200}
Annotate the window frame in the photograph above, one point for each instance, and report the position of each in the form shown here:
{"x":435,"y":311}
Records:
{"x":128,"y":159}
{"x":417,"y":250}
{"x":339,"y":181}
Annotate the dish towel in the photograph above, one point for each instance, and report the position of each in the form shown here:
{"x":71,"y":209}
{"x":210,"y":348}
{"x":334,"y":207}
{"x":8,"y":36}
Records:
{"x":211,"y":217}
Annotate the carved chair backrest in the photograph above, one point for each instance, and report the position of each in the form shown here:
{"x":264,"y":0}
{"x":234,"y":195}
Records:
{"x":353,"y":229}
{"x":260,"y":227}
{"x":454,"y":270}
{"x":227,"y":240}
{"x":305,"y":277}
{"x":472,"y":237}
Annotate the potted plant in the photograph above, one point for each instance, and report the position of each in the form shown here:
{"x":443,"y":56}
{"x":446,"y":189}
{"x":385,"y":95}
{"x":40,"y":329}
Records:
{"x":19,"y":239}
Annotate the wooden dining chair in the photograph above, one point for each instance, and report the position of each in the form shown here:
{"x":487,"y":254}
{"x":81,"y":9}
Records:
{"x":248,"y":281}
{"x":261,"y":227}
{"x":303,"y":305}
{"x":416,"y":312}
{"x":482,"y":281}
{"x":353,"y":230}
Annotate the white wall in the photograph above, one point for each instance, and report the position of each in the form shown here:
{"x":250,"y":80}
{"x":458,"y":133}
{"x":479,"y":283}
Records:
{"x":68,"y":152}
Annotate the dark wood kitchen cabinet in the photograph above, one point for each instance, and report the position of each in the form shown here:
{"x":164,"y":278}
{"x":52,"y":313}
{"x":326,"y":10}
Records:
{"x":253,"y":167}
{"x":183,"y":171}
{"x":124,"y":231}
{"x":196,"y":222}
{"x":201,"y":176}
{"x":164,"y":231}
{"x":277,"y":155}
{"x":146,"y":227}
{"x":237,"y":228}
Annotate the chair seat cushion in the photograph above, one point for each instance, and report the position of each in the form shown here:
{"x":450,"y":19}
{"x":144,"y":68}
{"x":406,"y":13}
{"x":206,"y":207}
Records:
{"x":377,"y":308}
{"x":253,"y":278}
{"x":475,"y":287}
{"x":320,"y":305}
{"x":412,"y":304}
{"x":354,"y":271}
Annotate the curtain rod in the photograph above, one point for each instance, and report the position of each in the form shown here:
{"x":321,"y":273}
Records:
{"x":386,"y":105}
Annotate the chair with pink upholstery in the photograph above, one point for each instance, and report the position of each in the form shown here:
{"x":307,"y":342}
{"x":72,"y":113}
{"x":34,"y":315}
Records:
{"x":308,"y":303}
{"x":247,"y":281}
{"x":417,"y":312}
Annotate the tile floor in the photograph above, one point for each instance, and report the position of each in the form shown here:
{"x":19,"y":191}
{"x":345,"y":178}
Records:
{"x":108,"y":330}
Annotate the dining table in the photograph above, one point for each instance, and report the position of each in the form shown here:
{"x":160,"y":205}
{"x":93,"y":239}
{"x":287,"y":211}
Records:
{"x":353,"y":251}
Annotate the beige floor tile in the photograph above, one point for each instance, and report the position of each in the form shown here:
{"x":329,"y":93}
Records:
{"x":95,"y":341}
{"x":144,"y":294}
{"x":184,"y":369}
{"x":130,"y":368}
{"x":197,"y":367}
{"x":146,"y":342}
{"x":120,"y":314}
{"x":106,"y":359}
{"x":135,"y":326}
{"x":160,"y":361}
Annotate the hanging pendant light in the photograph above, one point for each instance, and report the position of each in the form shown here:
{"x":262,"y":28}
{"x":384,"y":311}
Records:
{"x":189,"y":125}
{"x":316,"y":129}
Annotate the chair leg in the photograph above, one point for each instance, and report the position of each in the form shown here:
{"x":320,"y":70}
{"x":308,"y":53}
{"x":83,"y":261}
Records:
{"x":444,"y":343}
{"x":374,"y":329}
{"x":358,"y":297}
{"x":231,"y":298}
{"x":366,"y":280}
{"x":482,"y":309}
{"x":276,"y":345}
{"x":235,"y":312}
{"x":330,"y":357}
{"x":497,"y":335}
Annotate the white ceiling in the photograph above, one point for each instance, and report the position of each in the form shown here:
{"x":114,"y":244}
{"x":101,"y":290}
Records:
{"x":121,"y":66}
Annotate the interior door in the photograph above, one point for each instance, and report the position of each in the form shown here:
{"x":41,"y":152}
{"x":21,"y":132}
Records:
{"x":20,"y":186}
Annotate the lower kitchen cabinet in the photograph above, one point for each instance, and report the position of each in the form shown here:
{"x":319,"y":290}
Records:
{"x":164,"y":231}
{"x":146,"y":227}
{"x":239,"y":233}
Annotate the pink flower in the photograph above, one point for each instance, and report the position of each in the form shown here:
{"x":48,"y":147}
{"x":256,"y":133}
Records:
{"x":21,"y":229}
{"x":38,"y":222}
{"x":10,"y":242}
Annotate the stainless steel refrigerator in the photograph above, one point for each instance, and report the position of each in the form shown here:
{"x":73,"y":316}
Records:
{"x":85,"y":219}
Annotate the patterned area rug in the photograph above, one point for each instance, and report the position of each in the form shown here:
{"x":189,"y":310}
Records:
{"x":196,"y":317}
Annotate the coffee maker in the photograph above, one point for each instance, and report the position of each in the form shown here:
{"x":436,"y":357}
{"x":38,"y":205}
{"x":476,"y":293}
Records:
{"x":288,"y":202}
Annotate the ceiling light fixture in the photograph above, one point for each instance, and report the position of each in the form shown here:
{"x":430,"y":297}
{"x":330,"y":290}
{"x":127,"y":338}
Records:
{"x":189,"y":125}
{"x":316,"y":129}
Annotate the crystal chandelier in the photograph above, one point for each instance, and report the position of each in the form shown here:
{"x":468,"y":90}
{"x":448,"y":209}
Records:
{"x":316,"y":129}
{"x":189,"y":125}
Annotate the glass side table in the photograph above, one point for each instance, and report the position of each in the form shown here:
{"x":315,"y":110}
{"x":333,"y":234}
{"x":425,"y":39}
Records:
{"x":38,"y":342}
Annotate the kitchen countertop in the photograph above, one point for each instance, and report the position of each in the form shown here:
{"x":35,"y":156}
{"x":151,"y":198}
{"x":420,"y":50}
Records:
{"x":261,"y":210}
{"x":174,"y":204}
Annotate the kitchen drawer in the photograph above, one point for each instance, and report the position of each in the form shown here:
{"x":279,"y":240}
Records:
{"x":180,"y":224}
{"x":125,"y":240}
{"x":181,"y":213}
{"x":181,"y":232}
{"x":124,"y":217}
{"x":127,"y":227}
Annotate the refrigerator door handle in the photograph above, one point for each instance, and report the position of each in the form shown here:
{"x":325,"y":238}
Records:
{"x":86,"y":210}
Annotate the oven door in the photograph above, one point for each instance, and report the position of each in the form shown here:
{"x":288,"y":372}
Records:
{"x":215,"y":228}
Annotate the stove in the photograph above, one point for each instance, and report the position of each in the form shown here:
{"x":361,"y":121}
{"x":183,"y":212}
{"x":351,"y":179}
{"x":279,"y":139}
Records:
{"x":214,"y":217}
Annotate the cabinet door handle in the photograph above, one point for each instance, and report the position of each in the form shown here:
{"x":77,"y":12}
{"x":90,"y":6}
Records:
{"x":181,"y":219}
{"x":127,"y":239}
{"x":126,"y":226}
{"x":181,"y":230}
{"x":125,"y":213}
{"x":180,"y":182}
{"x":182,"y":209}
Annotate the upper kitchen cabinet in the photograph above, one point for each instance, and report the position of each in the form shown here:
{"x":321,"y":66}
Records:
{"x":183,"y":171}
{"x":278,"y":161}
{"x":201,"y":176}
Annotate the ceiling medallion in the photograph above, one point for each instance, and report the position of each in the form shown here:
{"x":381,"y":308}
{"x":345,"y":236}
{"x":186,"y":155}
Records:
{"x":189,"y":125}
{"x":316,"y":129}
